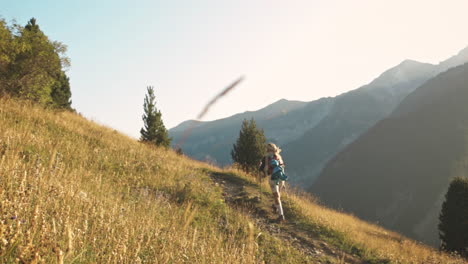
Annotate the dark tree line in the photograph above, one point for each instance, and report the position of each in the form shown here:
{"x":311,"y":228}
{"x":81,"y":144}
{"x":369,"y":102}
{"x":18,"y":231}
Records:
{"x":32,"y":66}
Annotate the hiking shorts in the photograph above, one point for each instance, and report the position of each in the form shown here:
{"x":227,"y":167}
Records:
{"x":275,"y":188}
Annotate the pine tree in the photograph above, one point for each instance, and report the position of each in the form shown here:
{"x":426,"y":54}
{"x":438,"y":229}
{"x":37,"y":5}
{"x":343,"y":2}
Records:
{"x":61,"y":94}
{"x":453,"y":225}
{"x":154,"y":130}
{"x":250,"y":146}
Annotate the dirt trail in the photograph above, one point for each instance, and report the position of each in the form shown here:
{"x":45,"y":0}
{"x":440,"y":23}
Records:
{"x":242,"y":195}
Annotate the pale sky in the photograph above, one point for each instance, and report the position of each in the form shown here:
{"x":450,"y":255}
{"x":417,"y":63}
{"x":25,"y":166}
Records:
{"x":191,"y":50}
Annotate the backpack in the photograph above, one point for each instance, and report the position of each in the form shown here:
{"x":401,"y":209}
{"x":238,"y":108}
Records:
{"x":277,"y":170}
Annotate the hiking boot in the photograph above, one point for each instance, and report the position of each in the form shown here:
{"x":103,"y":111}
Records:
{"x":281,"y":219}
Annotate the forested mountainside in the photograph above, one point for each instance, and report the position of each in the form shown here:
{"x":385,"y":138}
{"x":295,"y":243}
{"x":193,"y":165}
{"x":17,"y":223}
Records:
{"x":397,"y":173}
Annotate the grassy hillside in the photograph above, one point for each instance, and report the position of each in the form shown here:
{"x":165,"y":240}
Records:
{"x":72,"y":191}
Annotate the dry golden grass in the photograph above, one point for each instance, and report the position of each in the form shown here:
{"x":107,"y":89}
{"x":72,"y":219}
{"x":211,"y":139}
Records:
{"x":72,"y":191}
{"x":381,"y":243}
{"x":375,"y":243}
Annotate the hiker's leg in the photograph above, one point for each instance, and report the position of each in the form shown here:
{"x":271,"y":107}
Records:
{"x":281,"y":187}
{"x":277,"y":196}
{"x":275,"y":190}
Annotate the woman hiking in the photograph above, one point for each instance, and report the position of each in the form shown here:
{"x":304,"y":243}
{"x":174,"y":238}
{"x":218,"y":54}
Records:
{"x":272,"y":165}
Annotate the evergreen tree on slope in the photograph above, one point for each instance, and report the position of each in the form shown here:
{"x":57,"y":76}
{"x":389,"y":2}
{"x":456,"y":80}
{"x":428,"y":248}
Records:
{"x":453,"y":226}
{"x":153,"y":130}
{"x":61,"y":94}
{"x":250,"y":146}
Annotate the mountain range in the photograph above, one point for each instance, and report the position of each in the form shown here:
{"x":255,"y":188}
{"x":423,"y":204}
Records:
{"x":312,"y":133}
{"x":282,"y":121}
{"x":397,"y":172}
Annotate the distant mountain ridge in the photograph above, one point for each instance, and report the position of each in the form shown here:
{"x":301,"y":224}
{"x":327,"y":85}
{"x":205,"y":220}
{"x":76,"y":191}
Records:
{"x":459,"y":59}
{"x":312,"y":133}
{"x":397,"y":172}
{"x":282,"y":121}
{"x":186,"y":125}
{"x":355,"y":112}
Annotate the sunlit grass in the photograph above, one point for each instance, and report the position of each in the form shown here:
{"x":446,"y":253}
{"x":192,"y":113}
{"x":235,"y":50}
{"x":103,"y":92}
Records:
{"x":369,"y":241}
{"x":72,"y":191}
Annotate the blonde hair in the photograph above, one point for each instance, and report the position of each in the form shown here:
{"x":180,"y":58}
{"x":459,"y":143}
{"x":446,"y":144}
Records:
{"x":272,"y":148}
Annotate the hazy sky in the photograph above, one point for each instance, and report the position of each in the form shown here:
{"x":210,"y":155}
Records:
{"x":190,"y":50}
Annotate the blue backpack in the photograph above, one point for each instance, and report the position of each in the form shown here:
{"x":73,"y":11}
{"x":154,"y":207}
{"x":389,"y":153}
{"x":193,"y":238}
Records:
{"x":277,"y":172}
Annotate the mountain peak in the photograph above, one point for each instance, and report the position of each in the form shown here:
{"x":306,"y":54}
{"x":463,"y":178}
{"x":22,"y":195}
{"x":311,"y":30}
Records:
{"x":409,"y":62}
{"x":186,"y":124}
{"x":281,"y":101}
{"x":405,"y":71}
{"x":283,"y":105}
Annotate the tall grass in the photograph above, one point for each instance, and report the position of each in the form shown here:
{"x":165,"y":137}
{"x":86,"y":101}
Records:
{"x":370,"y":242}
{"x":72,"y":191}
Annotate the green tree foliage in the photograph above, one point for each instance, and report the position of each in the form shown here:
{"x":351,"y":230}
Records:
{"x":61,"y":93}
{"x":32,"y":66}
{"x":250,"y":146}
{"x":453,"y":225}
{"x":10,"y":47}
{"x":153,"y":130}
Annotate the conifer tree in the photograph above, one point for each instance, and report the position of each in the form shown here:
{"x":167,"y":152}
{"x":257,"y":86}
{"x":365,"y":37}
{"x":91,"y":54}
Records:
{"x":453,"y":225}
{"x":250,"y":146}
{"x":153,"y":130}
{"x":61,"y":94}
